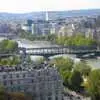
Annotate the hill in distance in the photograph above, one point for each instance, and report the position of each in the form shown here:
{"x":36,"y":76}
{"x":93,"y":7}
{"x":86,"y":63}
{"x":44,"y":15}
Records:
{"x":52,"y":14}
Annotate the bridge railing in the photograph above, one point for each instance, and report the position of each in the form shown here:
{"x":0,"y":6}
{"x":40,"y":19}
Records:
{"x":59,"y":50}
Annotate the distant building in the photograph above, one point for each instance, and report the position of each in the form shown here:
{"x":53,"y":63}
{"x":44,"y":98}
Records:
{"x":66,"y":30}
{"x":40,"y":27}
{"x":26,"y":28}
{"x":69,"y":26}
{"x":47,"y":16}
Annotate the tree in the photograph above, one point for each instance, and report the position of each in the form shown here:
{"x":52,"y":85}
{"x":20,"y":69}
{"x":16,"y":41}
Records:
{"x":3,"y":45}
{"x":93,"y":84}
{"x":78,"y":40}
{"x":17,"y":96}
{"x":64,"y":66}
{"x":7,"y":46}
{"x":3,"y":62}
{"x":75,"y":80}
{"x":83,"y":68}
{"x":11,"y":46}
{"x":9,"y":61}
{"x":2,"y":89}
{"x":3,"y":94}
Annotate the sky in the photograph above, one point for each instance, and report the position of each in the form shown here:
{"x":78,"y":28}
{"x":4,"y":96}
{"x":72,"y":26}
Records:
{"x":23,"y":6}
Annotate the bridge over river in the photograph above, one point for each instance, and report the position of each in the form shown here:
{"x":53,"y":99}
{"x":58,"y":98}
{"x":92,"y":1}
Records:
{"x":51,"y":51}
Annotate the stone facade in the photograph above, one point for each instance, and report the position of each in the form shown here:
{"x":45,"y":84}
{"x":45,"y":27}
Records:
{"x":43,"y":83}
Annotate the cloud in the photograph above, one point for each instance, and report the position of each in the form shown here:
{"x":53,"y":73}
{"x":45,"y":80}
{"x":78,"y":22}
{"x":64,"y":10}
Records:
{"x":42,"y":5}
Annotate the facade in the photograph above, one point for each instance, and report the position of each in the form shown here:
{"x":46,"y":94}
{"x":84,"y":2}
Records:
{"x":66,"y":30}
{"x":43,"y":83}
{"x":40,"y":27}
{"x":63,"y":27}
{"x":26,"y":28}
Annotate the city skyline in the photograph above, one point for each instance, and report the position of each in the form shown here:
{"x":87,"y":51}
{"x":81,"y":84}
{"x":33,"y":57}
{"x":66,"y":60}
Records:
{"x":24,"y":6}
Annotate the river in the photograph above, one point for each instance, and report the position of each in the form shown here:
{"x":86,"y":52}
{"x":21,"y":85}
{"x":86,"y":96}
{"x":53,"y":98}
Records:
{"x":95,"y":63}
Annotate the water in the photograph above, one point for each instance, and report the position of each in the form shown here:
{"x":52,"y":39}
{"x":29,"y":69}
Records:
{"x":33,"y":44}
{"x":95,"y":63}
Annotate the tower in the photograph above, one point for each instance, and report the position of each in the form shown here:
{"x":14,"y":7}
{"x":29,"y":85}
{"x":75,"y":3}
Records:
{"x":46,"y":16}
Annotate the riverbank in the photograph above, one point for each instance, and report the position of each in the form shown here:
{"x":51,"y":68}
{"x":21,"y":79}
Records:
{"x":93,"y":62}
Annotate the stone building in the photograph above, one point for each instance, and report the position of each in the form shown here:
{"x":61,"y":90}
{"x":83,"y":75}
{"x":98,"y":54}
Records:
{"x":43,"y":83}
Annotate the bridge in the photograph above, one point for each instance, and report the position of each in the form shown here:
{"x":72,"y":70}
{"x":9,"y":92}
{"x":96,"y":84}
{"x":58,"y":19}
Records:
{"x":51,"y":51}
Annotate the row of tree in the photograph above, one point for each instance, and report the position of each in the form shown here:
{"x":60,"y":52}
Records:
{"x":79,"y":77}
{"x":8,"y":46}
{"x":32,"y":37}
{"x":10,"y":61}
{"x":78,"y":40}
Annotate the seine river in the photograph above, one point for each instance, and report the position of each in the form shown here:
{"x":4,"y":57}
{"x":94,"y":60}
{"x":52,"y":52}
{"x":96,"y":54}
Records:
{"x":95,"y":63}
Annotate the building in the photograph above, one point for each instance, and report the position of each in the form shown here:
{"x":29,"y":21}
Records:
{"x":27,"y":26}
{"x":43,"y":83}
{"x":66,"y":30}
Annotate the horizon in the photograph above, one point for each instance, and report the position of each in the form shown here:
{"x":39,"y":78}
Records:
{"x":27,"y":6}
{"x":51,"y":11}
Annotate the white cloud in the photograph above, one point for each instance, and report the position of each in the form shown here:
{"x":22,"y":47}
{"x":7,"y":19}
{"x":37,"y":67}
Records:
{"x":41,"y":5}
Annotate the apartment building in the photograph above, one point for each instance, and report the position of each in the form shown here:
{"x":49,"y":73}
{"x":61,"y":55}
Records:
{"x":43,"y":83}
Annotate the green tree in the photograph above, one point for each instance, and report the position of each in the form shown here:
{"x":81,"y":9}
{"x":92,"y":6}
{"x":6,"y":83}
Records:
{"x":3,"y":62}
{"x":7,"y":46}
{"x":93,"y":84}
{"x":75,"y":80}
{"x":64,"y":66}
{"x":3,"y":94}
{"x":10,"y":61}
{"x":11,"y":46}
{"x":78,"y":40}
{"x":83,"y":68}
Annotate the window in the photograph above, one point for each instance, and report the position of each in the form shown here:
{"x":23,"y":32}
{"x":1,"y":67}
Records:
{"x":17,"y":75}
{"x":39,"y":79}
{"x":4,"y":76}
{"x":32,"y":80}
{"x":49,"y":98}
{"x":32,"y":75}
{"x":10,"y":75}
{"x":23,"y":75}
{"x":5,"y":82}
{"x":49,"y":93}
{"x":11,"y":82}
{"x":41,"y":97}
{"x":56,"y":98}
{"x":19,"y":88}
{"x":12,"y":90}
{"x":38,"y":73}
{"x":18,"y":81}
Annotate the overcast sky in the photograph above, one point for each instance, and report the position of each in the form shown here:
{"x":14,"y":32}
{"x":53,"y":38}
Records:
{"x":22,"y":6}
